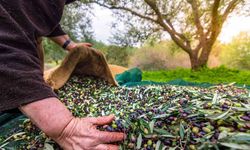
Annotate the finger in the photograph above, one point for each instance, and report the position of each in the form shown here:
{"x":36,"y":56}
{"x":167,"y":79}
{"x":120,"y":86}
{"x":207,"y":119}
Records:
{"x":107,"y":147}
{"x":89,"y":44}
{"x":101,"y":120}
{"x":110,"y":137}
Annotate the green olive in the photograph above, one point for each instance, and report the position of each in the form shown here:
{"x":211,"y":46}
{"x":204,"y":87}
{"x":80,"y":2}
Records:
{"x":205,"y":129}
{"x":195,"y":130}
{"x":192,"y":147}
{"x":221,"y":129}
{"x":237,"y":104}
{"x":146,"y":131}
{"x":149,"y":143}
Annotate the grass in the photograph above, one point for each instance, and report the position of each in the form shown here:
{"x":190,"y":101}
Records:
{"x":214,"y":76}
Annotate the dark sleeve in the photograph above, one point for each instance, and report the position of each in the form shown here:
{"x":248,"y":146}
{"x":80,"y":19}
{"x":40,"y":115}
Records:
{"x":58,"y":31}
{"x":69,"y":1}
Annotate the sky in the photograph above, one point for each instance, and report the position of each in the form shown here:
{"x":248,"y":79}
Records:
{"x":102,"y":23}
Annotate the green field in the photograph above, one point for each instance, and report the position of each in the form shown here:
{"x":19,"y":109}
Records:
{"x":214,"y":76}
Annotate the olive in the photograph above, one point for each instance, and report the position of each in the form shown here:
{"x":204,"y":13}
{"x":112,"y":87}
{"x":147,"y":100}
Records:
{"x":224,"y":129}
{"x":114,"y":126}
{"x":205,"y":129}
{"x":237,"y":104}
{"x":195,"y":130}
{"x":246,"y":118}
{"x":131,"y":145}
{"x":146,"y":131}
{"x":192,"y":147}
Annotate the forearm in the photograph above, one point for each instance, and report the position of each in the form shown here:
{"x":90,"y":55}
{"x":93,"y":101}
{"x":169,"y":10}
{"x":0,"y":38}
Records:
{"x":50,"y":115}
{"x":60,"y":40}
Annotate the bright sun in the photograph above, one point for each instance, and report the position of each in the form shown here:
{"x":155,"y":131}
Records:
{"x":233,"y":27}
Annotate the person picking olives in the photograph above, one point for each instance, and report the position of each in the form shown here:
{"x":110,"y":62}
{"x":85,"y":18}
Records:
{"x":22,"y":24}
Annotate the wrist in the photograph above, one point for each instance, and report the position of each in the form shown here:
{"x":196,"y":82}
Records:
{"x":71,"y":46}
{"x":68,"y":130}
{"x":50,"y":115}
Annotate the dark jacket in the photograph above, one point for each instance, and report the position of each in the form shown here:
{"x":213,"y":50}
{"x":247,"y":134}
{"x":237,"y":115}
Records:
{"x":21,"y":23}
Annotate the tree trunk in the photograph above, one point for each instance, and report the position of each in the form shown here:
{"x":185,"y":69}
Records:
{"x":198,"y":62}
{"x":194,"y":61}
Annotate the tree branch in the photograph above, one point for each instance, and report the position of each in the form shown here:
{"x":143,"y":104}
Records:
{"x":196,"y":14}
{"x":231,"y":6}
{"x":169,"y":28}
{"x":126,"y":9}
{"x":215,"y":22}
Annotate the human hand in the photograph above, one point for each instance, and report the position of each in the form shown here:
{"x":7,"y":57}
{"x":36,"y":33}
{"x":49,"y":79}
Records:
{"x":81,"y":134}
{"x":73,"y":45}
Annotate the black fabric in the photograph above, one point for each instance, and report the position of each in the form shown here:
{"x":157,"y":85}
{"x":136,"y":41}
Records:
{"x":57,"y":32}
{"x":21,"y":23}
{"x":69,"y":1}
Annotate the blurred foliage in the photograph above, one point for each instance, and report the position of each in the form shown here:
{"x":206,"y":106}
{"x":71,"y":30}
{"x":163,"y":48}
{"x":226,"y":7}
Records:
{"x":237,"y":53}
{"x":159,"y":55}
{"x":117,"y":55}
{"x":76,"y":22}
{"x":214,"y":76}
{"x":53,"y":52}
{"x":149,"y":59}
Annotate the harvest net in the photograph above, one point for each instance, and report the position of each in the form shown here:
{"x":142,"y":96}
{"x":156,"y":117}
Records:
{"x":153,"y":117}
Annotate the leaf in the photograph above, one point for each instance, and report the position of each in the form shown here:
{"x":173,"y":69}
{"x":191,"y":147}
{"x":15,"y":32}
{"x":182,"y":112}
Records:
{"x":158,"y":144}
{"x":151,"y":126}
{"x":161,"y":116}
{"x":241,"y":109}
{"x":219,"y":116}
{"x":236,"y":146}
{"x":162,"y":131}
{"x":120,"y":147}
{"x":240,"y":137}
{"x":172,"y":148}
{"x":164,"y":148}
{"x":3,"y":145}
{"x":139,"y":142}
{"x":246,"y":105}
{"x":214,"y":101}
{"x":182,"y":131}
{"x":222,"y":135}
{"x":47,"y":146}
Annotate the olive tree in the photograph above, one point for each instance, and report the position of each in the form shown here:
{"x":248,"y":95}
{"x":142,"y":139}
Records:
{"x":193,"y":25}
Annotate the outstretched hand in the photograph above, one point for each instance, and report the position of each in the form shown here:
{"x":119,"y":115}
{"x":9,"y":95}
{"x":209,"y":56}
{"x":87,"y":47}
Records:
{"x":81,"y":134}
{"x":56,"y":121}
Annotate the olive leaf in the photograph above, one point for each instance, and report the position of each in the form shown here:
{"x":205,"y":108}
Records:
{"x":219,"y":115}
{"x":139,"y":142}
{"x":214,"y":101}
{"x":182,"y":131}
{"x":151,"y":126}
{"x":239,"y":137}
{"x":47,"y":146}
{"x":158,"y":144}
{"x":223,"y":135}
{"x":161,"y":116}
{"x":236,"y":146}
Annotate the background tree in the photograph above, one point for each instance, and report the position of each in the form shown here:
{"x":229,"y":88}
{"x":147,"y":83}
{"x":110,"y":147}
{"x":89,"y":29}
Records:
{"x":237,"y":53}
{"x":193,"y":25}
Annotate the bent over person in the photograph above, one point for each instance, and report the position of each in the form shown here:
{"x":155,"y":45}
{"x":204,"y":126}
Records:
{"x":22,"y":24}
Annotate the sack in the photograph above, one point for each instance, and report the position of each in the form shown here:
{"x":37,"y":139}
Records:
{"x":81,"y":61}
